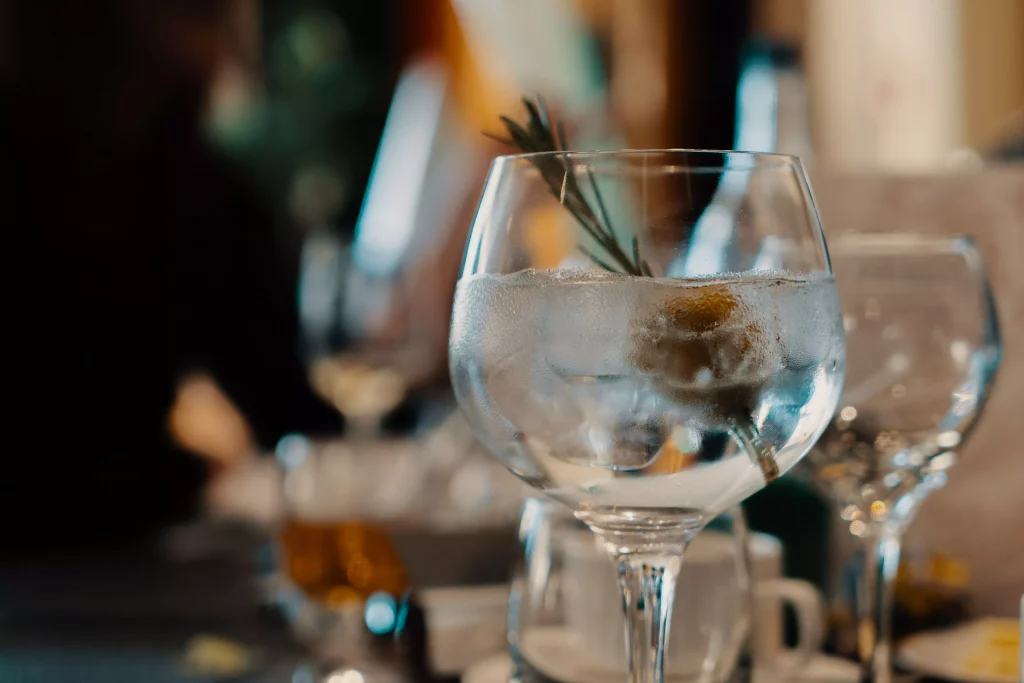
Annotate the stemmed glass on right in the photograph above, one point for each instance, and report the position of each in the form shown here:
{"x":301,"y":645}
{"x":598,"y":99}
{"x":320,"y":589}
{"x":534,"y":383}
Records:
{"x":922,"y":351}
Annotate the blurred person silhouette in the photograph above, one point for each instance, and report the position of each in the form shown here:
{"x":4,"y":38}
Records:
{"x":142,"y":255}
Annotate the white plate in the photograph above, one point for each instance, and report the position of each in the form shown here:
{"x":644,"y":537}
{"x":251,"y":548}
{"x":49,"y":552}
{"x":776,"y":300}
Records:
{"x":498,"y":669}
{"x":560,"y":655}
{"x":955,"y":654}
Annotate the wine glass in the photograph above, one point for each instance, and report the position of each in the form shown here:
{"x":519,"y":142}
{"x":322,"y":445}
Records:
{"x":369,"y":337}
{"x":646,"y":380}
{"x":923,"y":348}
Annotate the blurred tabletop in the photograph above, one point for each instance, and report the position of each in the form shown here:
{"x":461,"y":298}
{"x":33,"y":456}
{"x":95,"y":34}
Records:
{"x":197,"y":606}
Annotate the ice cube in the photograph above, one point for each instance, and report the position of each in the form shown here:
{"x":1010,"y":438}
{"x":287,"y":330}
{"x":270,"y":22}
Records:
{"x":584,"y":323}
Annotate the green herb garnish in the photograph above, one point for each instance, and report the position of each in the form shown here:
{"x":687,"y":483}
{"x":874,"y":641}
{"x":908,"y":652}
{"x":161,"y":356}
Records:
{"x":538,"y":135}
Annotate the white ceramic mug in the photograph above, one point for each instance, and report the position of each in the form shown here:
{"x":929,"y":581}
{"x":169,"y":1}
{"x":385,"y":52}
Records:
{"x":710,"y":615}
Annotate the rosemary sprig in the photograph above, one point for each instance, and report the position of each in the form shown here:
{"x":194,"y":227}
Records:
{"x":537,"y":135}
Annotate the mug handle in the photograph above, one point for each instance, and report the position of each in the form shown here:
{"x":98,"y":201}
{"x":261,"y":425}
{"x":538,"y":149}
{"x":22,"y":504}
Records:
{"x":809,"y":606}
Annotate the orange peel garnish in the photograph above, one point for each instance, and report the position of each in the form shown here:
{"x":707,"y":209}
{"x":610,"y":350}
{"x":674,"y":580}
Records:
{"x":693,"y":348}
{"x":692,"y":343}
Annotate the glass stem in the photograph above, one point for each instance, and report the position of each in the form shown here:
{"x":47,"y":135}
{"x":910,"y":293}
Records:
{"x":647,"y":576}
{"x":875,"y":603}
{"x":744,"y":671}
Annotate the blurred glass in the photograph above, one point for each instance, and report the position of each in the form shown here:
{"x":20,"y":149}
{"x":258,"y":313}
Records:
{"x":332,"y":543}
{"x":924,"y":349}
{"x":344,"y":502}
{"x":337,"y":566}
{"x":361,"y":347}
{"x":375,"y":312}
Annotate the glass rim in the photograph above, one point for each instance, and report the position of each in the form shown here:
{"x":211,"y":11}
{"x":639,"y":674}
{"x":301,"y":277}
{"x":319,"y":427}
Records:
{"x":721,"y":154}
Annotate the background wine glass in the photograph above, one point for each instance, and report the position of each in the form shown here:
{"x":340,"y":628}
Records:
{"x":922,"y":350}
{"x":353,"y":351}
{"x":649,"y":399}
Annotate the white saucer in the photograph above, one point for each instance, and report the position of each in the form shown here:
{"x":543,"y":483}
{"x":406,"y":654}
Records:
{"x":956,"y":654}
{"x":498,"y":669}
{"x":559,"y":656}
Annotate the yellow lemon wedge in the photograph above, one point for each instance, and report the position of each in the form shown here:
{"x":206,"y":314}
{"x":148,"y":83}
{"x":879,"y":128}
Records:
{"x":213,"y":655}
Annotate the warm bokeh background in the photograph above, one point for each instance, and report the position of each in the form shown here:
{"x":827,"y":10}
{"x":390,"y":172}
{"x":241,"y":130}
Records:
{"x":233,"y":220}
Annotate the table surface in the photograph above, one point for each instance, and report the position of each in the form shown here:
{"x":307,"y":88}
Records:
{"x":130,"y":615}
